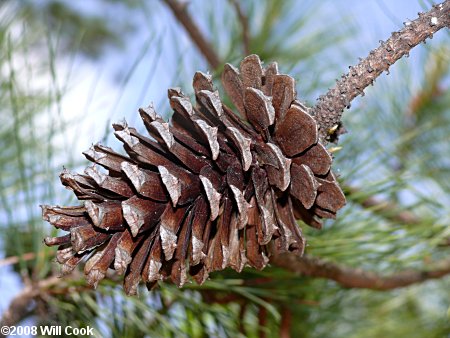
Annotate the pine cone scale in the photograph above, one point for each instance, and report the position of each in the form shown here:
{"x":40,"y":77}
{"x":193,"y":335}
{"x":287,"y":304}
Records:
{"x":171,"y":221}
{"x":111,"y":184}
{"x":124,"y":250}
{"x":146,"y":183}
{"x":251,"y":72}
{"x":202,"y":81}
{"x":85,"y":237}
{"x":268,"y":79}
{"x":296,"y":132}
{"x":97,"y":266}
{"x":107,"y":158}
{"x":316,"y":158}
{"x":65,"y":218}
{"x":283,"y":94}
{"x":199,"y":226}
{"x":105,"y":215}
{"x":136,"y":267}
{"x":260,"y":111}
{"x":279,"y":175}
{"x":152,"y":268}
{"x":234,"y":88}
{"x":303,"y":185}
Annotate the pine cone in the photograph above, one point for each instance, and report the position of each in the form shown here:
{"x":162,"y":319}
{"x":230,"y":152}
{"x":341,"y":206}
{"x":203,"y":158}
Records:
{"x":211,"y":189}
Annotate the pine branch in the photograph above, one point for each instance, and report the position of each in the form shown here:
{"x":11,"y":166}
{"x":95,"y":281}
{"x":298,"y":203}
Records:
{"x":262,"y":321}
{"x":329,"y":108}
{"x":286,"y":323}
{"x":357,"y":278}
{"x":445,"y":242}
{"x":16,"y":259}
{"x":387,"y":209}
{"x":25,"y":257}
{"x":20,"y":305}
{"x":180,"y":12}
{"x":244,"y":25}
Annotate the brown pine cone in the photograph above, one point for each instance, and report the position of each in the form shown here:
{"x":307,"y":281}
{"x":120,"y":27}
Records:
{"x":209,"y":190}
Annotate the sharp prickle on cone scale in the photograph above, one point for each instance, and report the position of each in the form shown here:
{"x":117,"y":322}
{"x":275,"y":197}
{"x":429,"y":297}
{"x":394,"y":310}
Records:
{"x":210,"y":189}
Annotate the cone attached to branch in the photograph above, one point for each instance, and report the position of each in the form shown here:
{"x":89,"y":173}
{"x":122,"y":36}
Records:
{"x":209,"y":190}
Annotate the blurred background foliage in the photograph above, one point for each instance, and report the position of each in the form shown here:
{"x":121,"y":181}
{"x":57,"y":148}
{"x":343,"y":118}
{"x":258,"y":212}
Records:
{"x":394,"y":164}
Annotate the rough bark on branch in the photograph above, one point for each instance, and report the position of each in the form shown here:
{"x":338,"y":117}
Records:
{"x":357,"y":278}
{"x":179,"y":10}
{"x":329,"y":108}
